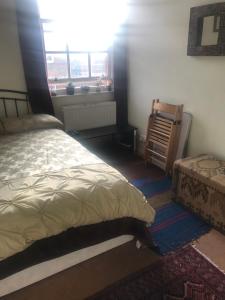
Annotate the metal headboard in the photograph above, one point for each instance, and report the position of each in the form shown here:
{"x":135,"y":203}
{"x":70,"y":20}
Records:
{"x":7,"y":97}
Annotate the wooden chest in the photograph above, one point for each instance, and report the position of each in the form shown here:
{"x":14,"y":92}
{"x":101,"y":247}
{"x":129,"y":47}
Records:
{"x":199,"y":184}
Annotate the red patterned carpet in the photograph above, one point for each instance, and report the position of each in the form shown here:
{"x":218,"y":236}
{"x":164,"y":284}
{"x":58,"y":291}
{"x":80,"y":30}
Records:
{"x":183,"y":275}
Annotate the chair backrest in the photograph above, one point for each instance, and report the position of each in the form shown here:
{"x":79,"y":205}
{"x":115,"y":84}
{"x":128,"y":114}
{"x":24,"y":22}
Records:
{"x":175,"y":111}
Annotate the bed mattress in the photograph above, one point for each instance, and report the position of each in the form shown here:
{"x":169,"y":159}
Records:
{"x":50,"y":183}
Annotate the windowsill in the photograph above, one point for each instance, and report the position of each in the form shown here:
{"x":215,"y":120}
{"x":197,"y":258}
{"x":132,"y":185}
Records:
{"x":82,"y":94}
{"x":62,"y":91}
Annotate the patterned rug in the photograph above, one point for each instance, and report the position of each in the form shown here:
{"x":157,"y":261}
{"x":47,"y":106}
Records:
{"x":175,"y":227}
{"x":183,"y":275}
{"x":151,"y":187}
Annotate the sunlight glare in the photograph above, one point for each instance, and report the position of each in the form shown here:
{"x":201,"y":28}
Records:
{"x":86,"y":24}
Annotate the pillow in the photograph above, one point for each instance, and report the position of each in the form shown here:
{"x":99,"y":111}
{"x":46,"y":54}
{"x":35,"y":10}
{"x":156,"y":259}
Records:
{"x":30,"y":122}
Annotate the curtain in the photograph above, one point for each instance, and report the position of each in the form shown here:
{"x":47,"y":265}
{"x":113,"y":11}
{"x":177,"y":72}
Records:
{"x":32,"y":50}
{"x":121,"y":78}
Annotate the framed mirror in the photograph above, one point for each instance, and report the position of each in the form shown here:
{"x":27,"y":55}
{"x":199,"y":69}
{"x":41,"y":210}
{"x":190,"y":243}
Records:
{"x":207,"y":30}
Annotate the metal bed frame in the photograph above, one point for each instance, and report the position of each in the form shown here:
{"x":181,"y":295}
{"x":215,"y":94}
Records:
{"x":17,"y":97}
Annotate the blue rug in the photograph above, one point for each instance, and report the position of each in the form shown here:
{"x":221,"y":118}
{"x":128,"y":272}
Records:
{"x":151,"y":187}
{"x":175,"y":227}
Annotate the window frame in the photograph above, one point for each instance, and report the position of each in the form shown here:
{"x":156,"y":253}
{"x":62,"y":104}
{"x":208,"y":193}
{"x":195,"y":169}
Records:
{"x":68,"y":52}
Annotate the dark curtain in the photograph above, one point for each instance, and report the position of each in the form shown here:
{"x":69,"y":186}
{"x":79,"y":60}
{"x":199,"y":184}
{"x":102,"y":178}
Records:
{"x":121,"y":78}
{"x":32,"y":50}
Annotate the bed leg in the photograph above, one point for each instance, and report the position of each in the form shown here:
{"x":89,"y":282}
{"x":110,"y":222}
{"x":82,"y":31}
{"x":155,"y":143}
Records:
{"x":139,"y":244}
{"x":148,"y":241}
{"x":144,"y":238}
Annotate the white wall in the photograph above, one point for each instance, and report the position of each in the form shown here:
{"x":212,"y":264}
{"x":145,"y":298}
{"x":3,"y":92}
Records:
{"x":11,"y":68}
{"x":160,"y":68}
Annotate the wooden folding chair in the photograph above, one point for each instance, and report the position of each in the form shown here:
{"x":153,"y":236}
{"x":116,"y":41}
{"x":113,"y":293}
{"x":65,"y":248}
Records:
{"x":163,"y":133}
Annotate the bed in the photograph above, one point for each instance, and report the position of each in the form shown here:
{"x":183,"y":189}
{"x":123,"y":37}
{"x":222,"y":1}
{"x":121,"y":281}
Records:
{"x":59,"y":203}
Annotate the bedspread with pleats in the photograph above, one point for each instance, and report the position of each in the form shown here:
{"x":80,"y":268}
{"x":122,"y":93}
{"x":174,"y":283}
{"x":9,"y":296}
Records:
{"x":50,"y":183}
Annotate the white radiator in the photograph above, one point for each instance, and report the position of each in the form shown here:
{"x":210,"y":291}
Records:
{"x":86,"y":116}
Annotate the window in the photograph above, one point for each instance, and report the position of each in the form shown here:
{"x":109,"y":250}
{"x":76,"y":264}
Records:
{"x":67,"y":64}
{"x":78,"y":37}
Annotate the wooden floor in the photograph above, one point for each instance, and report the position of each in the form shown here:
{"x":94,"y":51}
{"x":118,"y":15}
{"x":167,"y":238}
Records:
{"x":212,"y":245}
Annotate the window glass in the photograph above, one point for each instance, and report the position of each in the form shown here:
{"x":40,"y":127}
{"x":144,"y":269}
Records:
{"x":54,"y":41}
{"x":99,"y":64}
{"x":78,"y":35}
{"x":57,"y":66}
{"x":79,"y":65}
